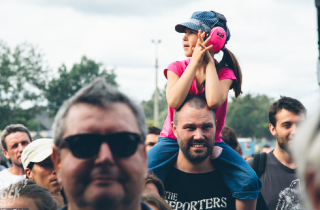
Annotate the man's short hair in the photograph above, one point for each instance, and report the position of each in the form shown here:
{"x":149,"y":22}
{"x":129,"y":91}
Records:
{"x":194,"y":101}
{"x":153,"y":130}
{"x":12,"y":129}
{"x":97,"y":93}
{"x":267,"y":146}
{"x":287,"y":103}
{"x":306,"y":144}
{"x":229,"y":136}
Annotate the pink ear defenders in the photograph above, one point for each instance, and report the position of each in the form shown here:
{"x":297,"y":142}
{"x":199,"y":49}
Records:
{"x":217,"y":40}
{"x":218,"y":34}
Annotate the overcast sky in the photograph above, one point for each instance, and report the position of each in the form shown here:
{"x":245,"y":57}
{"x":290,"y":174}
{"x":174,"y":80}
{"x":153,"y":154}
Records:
{"x":275,"y":41}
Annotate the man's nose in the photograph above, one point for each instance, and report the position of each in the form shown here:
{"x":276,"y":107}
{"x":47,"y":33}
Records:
{"x":21,"y":147}
{"x":105,"y":154}
{"x":293,"y":129}
{"x":198,"y":134}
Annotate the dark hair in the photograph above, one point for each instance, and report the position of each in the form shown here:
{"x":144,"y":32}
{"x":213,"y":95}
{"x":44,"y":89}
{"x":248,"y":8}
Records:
{"x":195,"y":101}
{"x":151,"y":178}
{"x":153,"y":130}
{"x":287,"y":103}
{"x":30,"y":166}
{"x":155,"y":200}
{"x":238,"y":149}
{"x":40,"y":195}
{"x":229,"y":136}
{"x":266,"y":146}
{"x":229,"y":60}
{"x":12,"y":129}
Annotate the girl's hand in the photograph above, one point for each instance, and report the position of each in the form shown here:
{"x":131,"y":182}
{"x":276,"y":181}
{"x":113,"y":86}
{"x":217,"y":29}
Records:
{"x":201,"y":48}
{"x":208,"y":57}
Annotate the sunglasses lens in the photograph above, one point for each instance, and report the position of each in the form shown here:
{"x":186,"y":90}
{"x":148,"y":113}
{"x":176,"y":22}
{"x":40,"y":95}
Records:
{"x":124,"y":144}
{"x":88,"y":145}
{"x":84,"y":146}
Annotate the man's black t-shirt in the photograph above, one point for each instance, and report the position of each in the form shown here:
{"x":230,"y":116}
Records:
{"x":197,"y":191}
{"x":280,"y":185}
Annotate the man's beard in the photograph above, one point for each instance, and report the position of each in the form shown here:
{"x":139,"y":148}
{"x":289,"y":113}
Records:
{"x":193,"y":157}
{"x":17,"y":163}
{"x":283,"y":144}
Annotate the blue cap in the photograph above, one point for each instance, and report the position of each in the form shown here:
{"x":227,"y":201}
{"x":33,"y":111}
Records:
{"x":205,"y":21}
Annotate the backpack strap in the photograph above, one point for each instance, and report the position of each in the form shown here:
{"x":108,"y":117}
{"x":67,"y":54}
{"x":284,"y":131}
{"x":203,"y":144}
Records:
{"x":259,"y":163}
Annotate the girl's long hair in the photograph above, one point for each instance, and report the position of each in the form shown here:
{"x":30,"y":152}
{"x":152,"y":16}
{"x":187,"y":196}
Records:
{"x":229,"y":60}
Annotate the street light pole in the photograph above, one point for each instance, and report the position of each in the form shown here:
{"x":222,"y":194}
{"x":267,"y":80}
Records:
{"x":155,"y":107}
{"x":318,"y":15}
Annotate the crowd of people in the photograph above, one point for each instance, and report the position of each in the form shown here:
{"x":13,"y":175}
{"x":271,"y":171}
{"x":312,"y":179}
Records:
{"x":102,"y":156}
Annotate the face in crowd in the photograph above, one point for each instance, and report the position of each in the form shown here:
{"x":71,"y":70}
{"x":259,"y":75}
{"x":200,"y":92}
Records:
{"x":195,"y":131}
{"x":43,"y":174}
{"x":16,"y":142}
{"x":103,"y":160}
{"x":189,"y":41}
{"x":151,"y":141}
{"x":285,"y":127}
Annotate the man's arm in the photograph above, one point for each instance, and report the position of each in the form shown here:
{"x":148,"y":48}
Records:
{"x":246,"y":204}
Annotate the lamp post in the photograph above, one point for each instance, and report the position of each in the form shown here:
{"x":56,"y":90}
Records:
{"x":318,"y":15}
{"x":155,"y":107}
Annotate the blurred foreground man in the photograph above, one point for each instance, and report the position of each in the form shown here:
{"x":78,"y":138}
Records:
{"x":14,"y":138}
{"x":280,"y":185}
{"x":99,"y":151}
{"x":307,"y":155}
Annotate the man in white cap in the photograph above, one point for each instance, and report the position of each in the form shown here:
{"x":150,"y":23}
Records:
{"x":37,"y":164}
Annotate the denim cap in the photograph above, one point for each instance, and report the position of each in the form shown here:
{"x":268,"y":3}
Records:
{"x":204,"y":21}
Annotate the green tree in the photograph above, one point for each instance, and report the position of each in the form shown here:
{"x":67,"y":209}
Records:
{"x":148,"y":107}
{"x":248,"y":116}
{"x":69,"y":82}
{"x":22,"y":77}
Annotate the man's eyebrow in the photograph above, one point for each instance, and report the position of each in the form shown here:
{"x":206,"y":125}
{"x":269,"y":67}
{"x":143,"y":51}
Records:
{"x":286,"y":122}
{"x":188,"y":124}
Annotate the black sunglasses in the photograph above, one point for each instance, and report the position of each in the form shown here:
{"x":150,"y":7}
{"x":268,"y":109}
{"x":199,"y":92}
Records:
{"x":122,"y":144}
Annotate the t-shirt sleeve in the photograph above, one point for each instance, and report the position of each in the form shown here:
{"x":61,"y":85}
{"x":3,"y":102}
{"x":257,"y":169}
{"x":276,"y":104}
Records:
{"x":226,"y":73}
{"x":176,"y":67}
{"x":250,"y":162}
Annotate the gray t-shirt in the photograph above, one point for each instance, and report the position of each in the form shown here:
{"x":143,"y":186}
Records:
{"x":280,"y":185}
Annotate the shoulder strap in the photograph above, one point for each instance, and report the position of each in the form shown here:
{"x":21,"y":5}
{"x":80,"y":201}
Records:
{"x":259,"y":163}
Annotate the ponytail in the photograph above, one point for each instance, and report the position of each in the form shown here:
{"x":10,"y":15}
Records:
{"x":230,"y":61}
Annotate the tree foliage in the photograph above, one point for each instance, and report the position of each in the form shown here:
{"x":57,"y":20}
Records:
{"x":248,"y":116}
{"x":69,"y":82}
{"x":22,"y":77}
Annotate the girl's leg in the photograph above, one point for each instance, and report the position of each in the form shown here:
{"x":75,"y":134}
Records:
{"x":160,"y":156}
{"x":237,"y":174}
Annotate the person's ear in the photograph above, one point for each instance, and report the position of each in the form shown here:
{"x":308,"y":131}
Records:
{"x":5,"y":153}
{"x":272,"y":129}
{"x":55,"y":157}
{"x":174,"y":129}
{"x":28,"y":173}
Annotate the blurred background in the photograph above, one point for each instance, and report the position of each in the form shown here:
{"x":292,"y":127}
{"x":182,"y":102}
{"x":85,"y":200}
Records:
{"x":50,"y":49}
